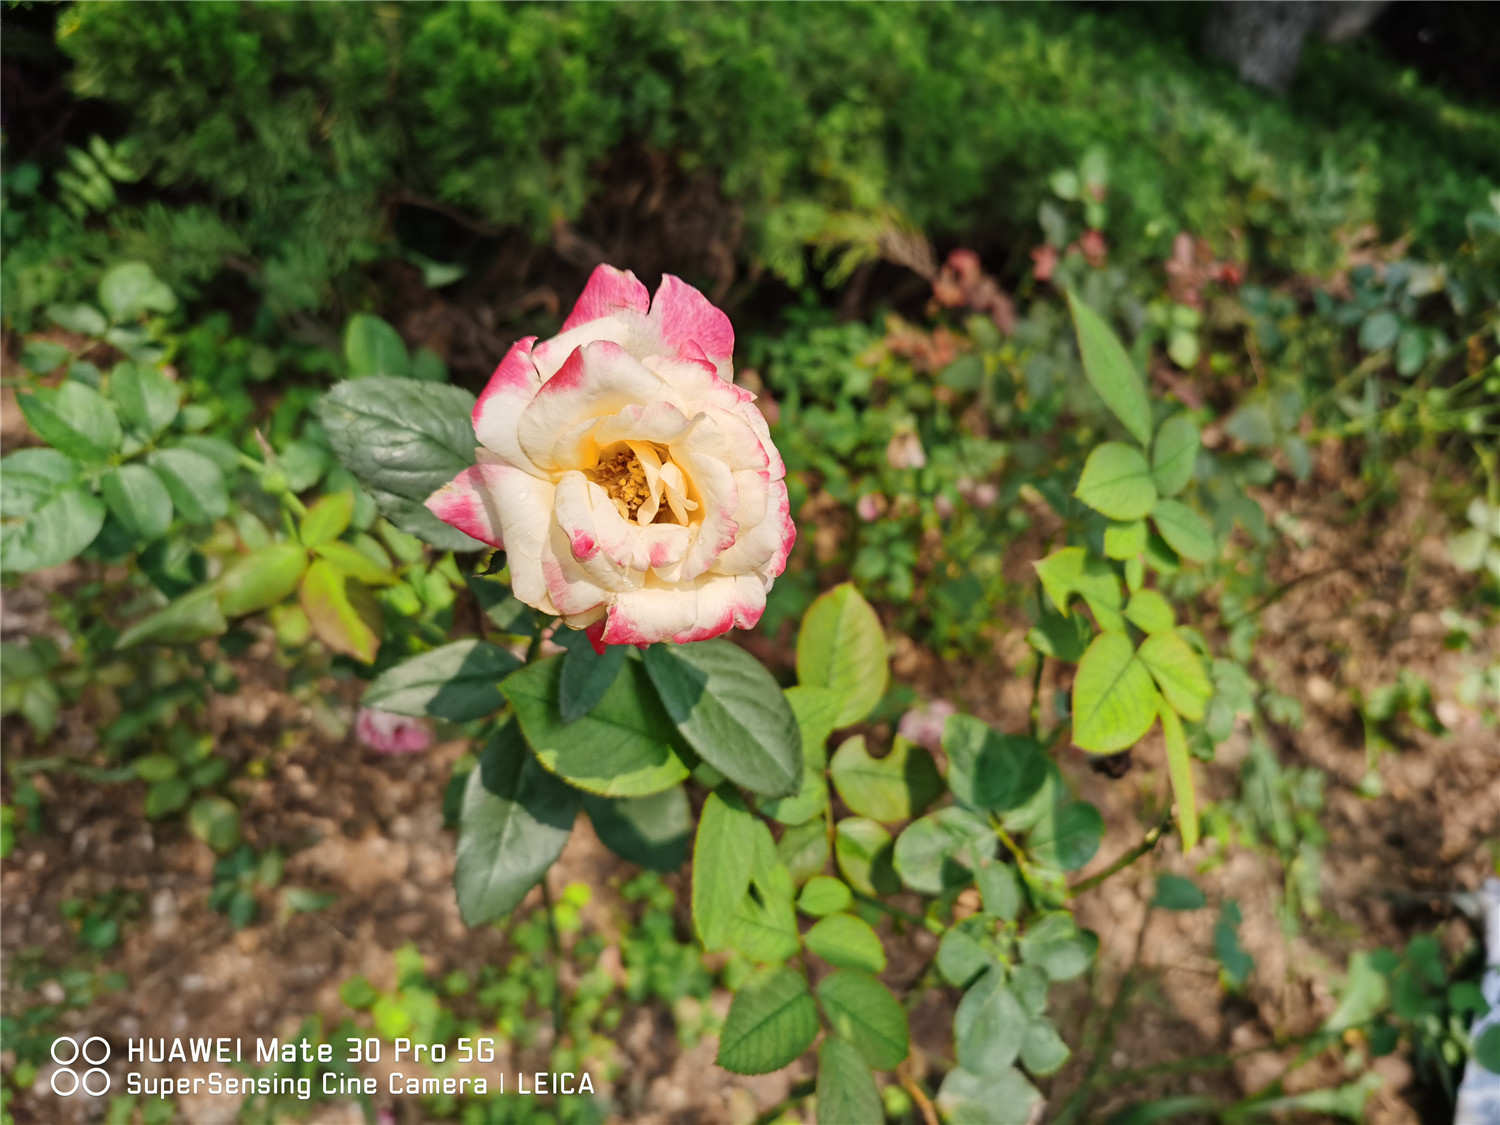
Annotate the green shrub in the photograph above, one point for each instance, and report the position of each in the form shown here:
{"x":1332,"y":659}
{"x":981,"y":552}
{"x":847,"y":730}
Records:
{"x":295,"y":129}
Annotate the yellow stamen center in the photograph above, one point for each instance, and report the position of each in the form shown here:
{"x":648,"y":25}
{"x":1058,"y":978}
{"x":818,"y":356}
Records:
{"x":620,"y":475}
{"x":644,"y":484}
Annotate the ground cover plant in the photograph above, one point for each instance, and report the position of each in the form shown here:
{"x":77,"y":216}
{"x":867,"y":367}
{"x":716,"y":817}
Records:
{"x":950,"y":654}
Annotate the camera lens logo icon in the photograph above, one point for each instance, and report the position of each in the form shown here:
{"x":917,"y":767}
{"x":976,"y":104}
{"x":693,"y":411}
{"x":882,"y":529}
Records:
{"x":66,"y":1081}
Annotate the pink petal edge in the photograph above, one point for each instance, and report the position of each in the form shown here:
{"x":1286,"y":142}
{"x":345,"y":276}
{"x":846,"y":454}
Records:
{"x":689,"y":322}
{"x":608,"y":290}
{"x":466,"y":503}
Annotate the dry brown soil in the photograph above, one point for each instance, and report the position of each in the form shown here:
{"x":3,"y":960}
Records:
{"x":368,"y":828}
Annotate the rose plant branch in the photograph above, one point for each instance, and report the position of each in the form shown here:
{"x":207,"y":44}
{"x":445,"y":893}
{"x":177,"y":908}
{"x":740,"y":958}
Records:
{"x":637,"y":499}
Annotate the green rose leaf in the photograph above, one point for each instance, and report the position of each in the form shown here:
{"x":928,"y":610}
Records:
{"x":771,"y":1021}
{"x":194,"y":483}
{"x":824,"y":895}
{"x":358,"y":562}
{"x":1067,"y":835}
{"x":846,"y":942}
{"x":1365,"y":994}
{"x":764,"y":924}
{"x":1114,"y":703}
{"x":940,"y":850}
{"x":722,"y":862}
{"x":1043,"y":1051}
{"x":999,"y":889}
{"x":1149,"y":612}
{"x":1180,"y":769}
{"x":216,"y":822}
{"x":342,"y":615}
{"x":1411,"y":351}
{"x":373,"y":347}
{"x":147,"y":401}
{"x":1062,"y":638}
{"x":1056,"y":945}
{"x":49,"y":516}
{"x":138,"y":499}
{"x":1467,"y":548}
{"x":165,"y":797}
{"x":1178,"y":671}
{"x":458,"y":682}
{"x":965,"y":951}
{"x":731,"y":711}
{"x":654,"y":831}
{"x":1236,"y":963}
{"x":326,"y":519}
{"x":85,"y":320}
{"x":966,"y":1098}
{"x":42,"y":357}
{"x":1487,"y":1049}
{"x":192,"y":617}
{"x":1174,"y":453}
{"x":130,"y":289}
{"x":217,"y":450}
{"x":864,"y":851}
{"x":862,"y":1010}
{"x":1379,"y":330}
{"x":1173,"y":892}
{"x":1125,"y":540}
{"x":988,"y":770}
{"x":625,"y":747}
{"x":846,"y":1090}
{"x":889,"y":789}
{"x":841,"y":646}
{"x":586,"y":675}
{"x":804,"y":850}
{"x":1185,"y":531}
{"x":30,"y":478}
{"x":989,"y":1025}
{"x":155,"y":767}
{"x":815,"y":710}
{"x":74,"y":419}
{"x":403,"y":439}
{"x":515,"y":819}
{"x":1070,"y":571}
{"x":261,"y":579}
{"x":1110,"y":371}
{"x":1117,"y":482}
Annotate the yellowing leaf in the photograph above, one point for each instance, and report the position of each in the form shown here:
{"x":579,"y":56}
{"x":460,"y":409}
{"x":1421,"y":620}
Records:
{"x":341,"y":614}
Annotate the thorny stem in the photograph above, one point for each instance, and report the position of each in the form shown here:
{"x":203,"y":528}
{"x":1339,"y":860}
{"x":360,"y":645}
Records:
{"x":556,"y":942}
{"x":1036,"y":696}
{"x":1280,"y":592}
{"x":893,"y":911}
{"x":1036,"y":676}
{"x":1078,"y":1102}
{"x":1145,"y":847}
{"x":286,"y":496}
{"x":918,"y":1095}
{"x":1010,"y":844}
{"x":1226,"y":1058}
{"x":481,"y":625}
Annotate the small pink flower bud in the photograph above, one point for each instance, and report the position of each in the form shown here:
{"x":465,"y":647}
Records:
{"x":1044,"y":261}
{"x":924,"y":725}
{"x":390,"y":733}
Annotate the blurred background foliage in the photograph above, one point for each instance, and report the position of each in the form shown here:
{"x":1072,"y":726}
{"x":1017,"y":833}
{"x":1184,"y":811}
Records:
{"x":283,"y":147}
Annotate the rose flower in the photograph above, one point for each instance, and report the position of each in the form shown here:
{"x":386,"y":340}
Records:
{"x":633,"y":487}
